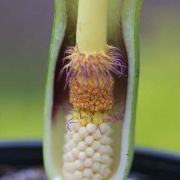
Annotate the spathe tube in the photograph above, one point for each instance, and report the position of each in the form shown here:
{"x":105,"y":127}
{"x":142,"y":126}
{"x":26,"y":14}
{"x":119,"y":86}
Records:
{"x":123,"y":30}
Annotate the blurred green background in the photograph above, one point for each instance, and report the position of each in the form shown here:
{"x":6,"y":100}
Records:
{"x":24,"y":37}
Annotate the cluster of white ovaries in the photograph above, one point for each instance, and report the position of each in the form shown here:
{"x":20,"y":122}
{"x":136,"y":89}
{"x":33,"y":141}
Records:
{"x":88,"y":152}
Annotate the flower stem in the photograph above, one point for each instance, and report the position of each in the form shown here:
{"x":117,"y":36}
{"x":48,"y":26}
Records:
{"x":92,"y":25}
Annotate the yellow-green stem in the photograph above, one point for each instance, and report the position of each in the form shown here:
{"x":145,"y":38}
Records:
{"x":92,"y":25}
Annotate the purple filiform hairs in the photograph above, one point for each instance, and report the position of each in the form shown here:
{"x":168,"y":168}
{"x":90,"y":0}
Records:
{"x":90,"y":66}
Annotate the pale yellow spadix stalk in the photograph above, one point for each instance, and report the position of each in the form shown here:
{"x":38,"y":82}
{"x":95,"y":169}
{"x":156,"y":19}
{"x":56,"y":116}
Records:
{"x":92,"y":25}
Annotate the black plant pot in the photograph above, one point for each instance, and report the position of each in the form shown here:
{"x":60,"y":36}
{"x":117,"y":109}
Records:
{"x":26,"y":158}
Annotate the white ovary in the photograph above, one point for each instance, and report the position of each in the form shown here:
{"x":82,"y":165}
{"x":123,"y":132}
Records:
{"x":76,"y":137}
{"x":96,"y":166}
{"x":79,"y":164}
{"x":75,"y":153}
{"x":96,"y":157}
{"x":91,"y":127}
{"x":89,"y":140}
{"x":96,"y":145}
{"x":105,"y":128}
{"x":97,"y":134}
{"x":82,"y":156}
{"x":88,"y":162}
{"x":83,"y":132}
{"x":82,"y":146}
{"x":87,"y":151}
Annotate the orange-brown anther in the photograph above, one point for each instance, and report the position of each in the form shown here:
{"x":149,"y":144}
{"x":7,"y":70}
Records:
{"x":91,"y":98}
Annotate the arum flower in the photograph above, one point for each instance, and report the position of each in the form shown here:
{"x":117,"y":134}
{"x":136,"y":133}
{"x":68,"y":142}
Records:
{"x":91,"y":89}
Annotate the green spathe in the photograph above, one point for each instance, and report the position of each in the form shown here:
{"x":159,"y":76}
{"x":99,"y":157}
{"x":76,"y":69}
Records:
{"x":122,"y":31}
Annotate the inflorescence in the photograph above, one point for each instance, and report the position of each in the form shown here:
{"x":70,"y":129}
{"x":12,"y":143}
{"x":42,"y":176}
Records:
{"x":89,"y":76}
